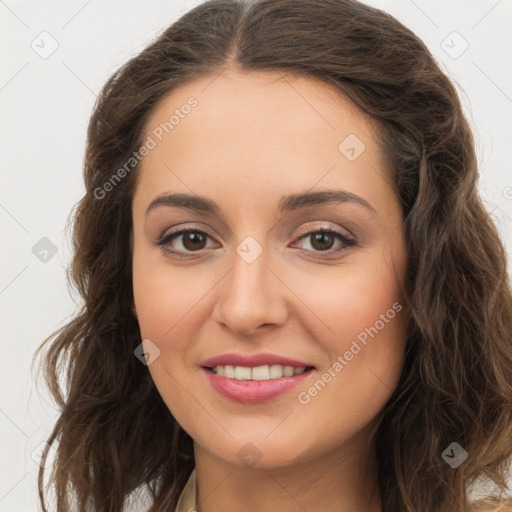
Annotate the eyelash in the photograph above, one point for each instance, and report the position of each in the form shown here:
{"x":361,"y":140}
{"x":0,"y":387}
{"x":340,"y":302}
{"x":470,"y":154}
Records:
{"x":164,"y":240}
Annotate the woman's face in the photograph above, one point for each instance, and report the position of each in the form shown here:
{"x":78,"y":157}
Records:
{"x":270,"y":161}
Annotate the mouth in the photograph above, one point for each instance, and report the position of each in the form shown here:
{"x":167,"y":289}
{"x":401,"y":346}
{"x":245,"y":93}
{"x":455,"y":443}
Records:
{"x":256,"y":384}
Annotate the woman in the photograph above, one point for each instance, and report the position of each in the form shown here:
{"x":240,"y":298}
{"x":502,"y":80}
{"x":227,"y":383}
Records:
{"x":294,"y":298}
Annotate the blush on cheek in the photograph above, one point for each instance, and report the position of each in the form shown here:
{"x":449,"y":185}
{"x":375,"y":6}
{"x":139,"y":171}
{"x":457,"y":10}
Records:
{"x":369,"y":329}
{"x":350,"y":309}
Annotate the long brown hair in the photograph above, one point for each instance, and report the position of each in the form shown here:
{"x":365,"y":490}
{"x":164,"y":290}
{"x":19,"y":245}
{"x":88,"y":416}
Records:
{"x":116,"y":436}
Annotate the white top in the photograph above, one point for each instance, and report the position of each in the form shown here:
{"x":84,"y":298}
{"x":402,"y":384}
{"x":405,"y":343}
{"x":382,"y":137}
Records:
{"x":187,"y":501}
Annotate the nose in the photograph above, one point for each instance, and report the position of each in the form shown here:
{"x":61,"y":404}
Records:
{"x":252,"y":296}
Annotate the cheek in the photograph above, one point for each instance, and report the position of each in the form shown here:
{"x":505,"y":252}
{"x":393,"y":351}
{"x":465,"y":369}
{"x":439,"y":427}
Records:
{"x":168,"y":307}
{"x":362,"y":326}
{"x":352,"y":299}
{"x":168,"y":300}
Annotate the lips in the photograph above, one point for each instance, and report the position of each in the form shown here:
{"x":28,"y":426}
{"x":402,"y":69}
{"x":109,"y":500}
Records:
{"x":253,"y":360}
{"x":250,"y":378}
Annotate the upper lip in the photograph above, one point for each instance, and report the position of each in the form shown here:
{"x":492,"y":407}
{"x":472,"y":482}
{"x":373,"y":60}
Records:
{"x":252,"y":360}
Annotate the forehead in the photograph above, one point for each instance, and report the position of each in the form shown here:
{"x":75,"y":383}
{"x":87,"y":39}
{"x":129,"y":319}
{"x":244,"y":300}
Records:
{"x":260,"y":130}
{"x":244,"y":103}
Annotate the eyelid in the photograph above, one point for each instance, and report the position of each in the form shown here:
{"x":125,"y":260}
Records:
{"x":327,"y":227}
{"x":179,"y":229}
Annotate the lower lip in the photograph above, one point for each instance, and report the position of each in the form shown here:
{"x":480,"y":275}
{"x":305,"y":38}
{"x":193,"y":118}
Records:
{"x":254,"y":391}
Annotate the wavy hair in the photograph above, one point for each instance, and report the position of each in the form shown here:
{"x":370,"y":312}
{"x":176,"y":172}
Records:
{"x":115,"y":435}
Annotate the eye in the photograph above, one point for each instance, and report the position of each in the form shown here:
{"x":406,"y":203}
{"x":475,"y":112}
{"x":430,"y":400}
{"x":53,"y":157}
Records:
{"x":183,"y":243}
{"x":188,"y":240}
{"x":323,"y":240}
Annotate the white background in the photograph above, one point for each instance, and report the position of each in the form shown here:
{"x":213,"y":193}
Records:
{"x":45,"y":107}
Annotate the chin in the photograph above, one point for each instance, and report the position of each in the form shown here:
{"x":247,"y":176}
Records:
{"x":255,"y":451}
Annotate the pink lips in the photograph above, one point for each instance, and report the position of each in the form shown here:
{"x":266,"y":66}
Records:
{"x":253,"y":391}
{"x":252,"y":360}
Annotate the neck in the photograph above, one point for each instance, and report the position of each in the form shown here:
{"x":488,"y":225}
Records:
{"x":343,"y":480}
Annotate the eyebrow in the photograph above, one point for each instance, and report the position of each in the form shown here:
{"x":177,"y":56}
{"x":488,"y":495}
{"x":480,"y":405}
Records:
{"x":286,"y":203}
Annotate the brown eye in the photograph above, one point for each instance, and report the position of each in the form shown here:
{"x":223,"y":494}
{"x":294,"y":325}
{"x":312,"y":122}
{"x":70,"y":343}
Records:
{"x":185,"y":242}
{"x":322,"y":240}
{"x":193,"y":240}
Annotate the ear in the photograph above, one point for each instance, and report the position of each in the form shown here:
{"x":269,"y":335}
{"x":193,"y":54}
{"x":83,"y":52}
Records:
{"x":134,"y":310}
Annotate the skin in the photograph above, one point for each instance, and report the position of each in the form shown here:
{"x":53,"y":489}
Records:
{"x":252,"y":139}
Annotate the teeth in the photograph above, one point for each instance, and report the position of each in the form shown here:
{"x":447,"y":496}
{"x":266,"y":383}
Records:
{"x":242,"y":373}
{"x":260,"y":373}
{"x":288,"y":371}
{"x":275,"y":371}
